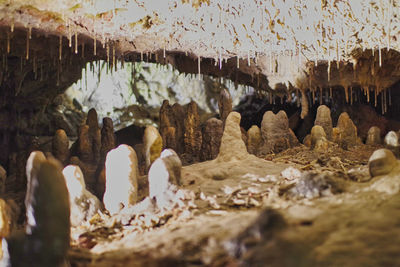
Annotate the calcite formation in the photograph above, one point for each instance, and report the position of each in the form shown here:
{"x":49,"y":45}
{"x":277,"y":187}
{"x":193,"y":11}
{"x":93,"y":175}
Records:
{"x":381,"y":162}
{"x":121,"y":179}
{"x":224,"y":104}
{"x":319,"y":141}
{"x":152,"y":144}
{"x":60,"y":146}
{"x":232,"y":146}
{"x":254,"y":139}
{"x":192,"y":135}
{"x":276,"y":134}
{"x":391,"y":142}
{"x":345,"y":133}
{"x":323,"y":119}
{"x":83,"y":204}
{"x":374,"y":136}
{"x":211,"y":138}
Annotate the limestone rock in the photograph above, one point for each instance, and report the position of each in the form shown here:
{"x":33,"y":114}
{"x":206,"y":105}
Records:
{"x":92,"y":119}
{"x":374,"y":136}
{"x":152,"y":143}
{"x":224,"y":104}
{"x":381,"y":162}
{"x":60,"y":146}
{"x":253,"y":139}
{"x":346,"y":135}
{"x":107,"y":137}
{"x":276,"y":133}
{"x":84,"y":144}
{"x":319,"y":140}
{"x":324,"y":120}
{"x":192,"y":136}
{"x":179,"y":116}
{"x":89,"y":172}
{"x":211,"y":138}
{"x":84,"y":205}
{"x":232,"y":145}
{"x":3,"y":178}
{"x":169,"y":137}
{"x":121,"y":179}
{"x":48,"y":213}
{"x":391,"y":142}
{"x":165,"y":115}
{"x":307,"y":140}
{"x":165,"y":170}
{"x":94,"y":135}
{"x":32,"y":167}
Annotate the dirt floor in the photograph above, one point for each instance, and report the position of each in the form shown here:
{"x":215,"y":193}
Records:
{"x":296,"y":208}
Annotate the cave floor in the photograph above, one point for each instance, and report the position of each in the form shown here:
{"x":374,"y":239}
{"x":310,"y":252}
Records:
{"x":347,"y":219}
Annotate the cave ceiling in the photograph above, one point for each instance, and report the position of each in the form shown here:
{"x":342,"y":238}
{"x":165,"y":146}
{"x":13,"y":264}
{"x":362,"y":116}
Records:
{"x":270,"y":45}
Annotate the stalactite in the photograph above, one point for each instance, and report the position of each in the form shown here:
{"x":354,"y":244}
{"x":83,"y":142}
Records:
{"x":376,"y":96}
{"x":27,"y":45}
{"x":329,"y":70}
{"x":94,"y":45}
{"x":108,"y":54}
{"x":320,"y":95}
{"x":198,"y":66}
{"x":141,"y":56}
{"x":313,"y":95}
{"x":346,"y":92}
{"x":248,"y":58}
{"x":76,"y":42}
{"x":237,"y":62}
{"x":8,"y":42}
{"x":351,"y":95}
{"x":69,"y":36}
{"x":368,"y":98}
{"x":83,"y":49}
{"x":390,"y":97}
{"x":330,"y":92}
{"x":113,"y":56}
{"x":304,"y":104}
{"x":60,"y":48}
{"x":297,"y":98}
{"x":380,"y":56}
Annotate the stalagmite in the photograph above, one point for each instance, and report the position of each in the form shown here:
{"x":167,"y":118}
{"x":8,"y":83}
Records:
{"x":211,"y":139}
{"x":374,"y":136}
{"x":152,"y":143}
{"x":304,"y":104}
{"x":27,"y":46}
{"x":8,"y":42}
{"x":198,"y":67}
{"x":60,"y":146}
{"x":60,"y":48}
{"x":121,"y":179}
{"x":76,"y":43}
{"x":94,"y":45}
{"x":224,"y":104}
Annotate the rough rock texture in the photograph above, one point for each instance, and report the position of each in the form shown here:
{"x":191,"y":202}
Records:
{"x":211,"y":138}
{"x":391,"y":142}
{"x":83,"y":204}
{"x":323,"y":119}
{"x":179,"y":116}
{"x":60,"y":146}
{"x":381,"y":162}
{"x":32,"y":167}
{"x":346,"y":132}
{"x":254,"y":139}
{"x":232,"y":146}
{"x":165,"y":170}
{"x":48,"y":232}
{"x":192,"y":134}
{"x":169,"y":138}
{"x":121,"y":179}
{"x":319,"y":140}
{"x":374,"y":136}
{"x":85,"y":152}
{"x":152,"y":144}
{"x":224,"y":104}
{"x":276,"y":134}
{"x":107,"y":137}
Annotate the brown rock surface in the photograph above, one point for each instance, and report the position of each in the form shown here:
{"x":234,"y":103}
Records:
{"x":211,"y":138}
{"x":254,"y":139}
{"x":192,"y":134}
{"x":323,"y":119}
{"x":60,"y":146}
{"x":224,"y":104}
{"x":374,"y":136}
{"x":346,"y":135}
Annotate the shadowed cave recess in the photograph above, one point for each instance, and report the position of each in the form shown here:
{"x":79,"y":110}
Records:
{"x":199,"y":133}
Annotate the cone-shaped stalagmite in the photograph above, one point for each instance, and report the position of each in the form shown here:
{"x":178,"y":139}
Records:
{"x":84,"y":205}
{"x":224,"y":104}
{"x":391,"y":142}
{"x":319,"y":140}
{"x":276,"y":134}
{"x":374,"y":136}
{"x":232,"y":145}
{"x":179,"y":116}
{"x":152,"y":143}
{"x":121,"y":179}
{"x":107,"y":137}
{"x":192,"y":132}
{"x":164,"y":171}
{"x":211,"y":138}
{"x":345,"y":133}
{"x":324,"y":120}
{"x":60,"y":146}
{"x":253,"y":139}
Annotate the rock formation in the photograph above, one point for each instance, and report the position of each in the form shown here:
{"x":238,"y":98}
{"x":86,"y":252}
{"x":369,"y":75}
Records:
{"x":275,"y":133}
{"x":60,"y":146}
{"x":121,"y":179}
{"x":345,"y":133}
{"x":254,"y":139}
{"x":192,"y":135}
{"x":211,"y":139}
{"x":165,"y":170}
{"x":179,"y":116}
{"x":232,"y":145}
{"x":83,"y":204}
{"x":381,"y":162}
{"x":323,"y":119}
{"x":224,"y":104}
{"x":152,"y":144}
{"x":391,"y":142}
{"x":374,"y":136}
{"x":107,"y":137}
{"x":319,"y":140}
